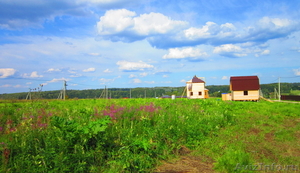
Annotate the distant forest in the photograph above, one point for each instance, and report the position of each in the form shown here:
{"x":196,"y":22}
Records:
{"x":214,"y":91}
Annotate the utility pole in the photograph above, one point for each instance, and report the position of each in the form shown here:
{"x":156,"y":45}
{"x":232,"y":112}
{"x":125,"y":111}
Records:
{"x":29,"y":94}
{"x":145,"y":93}
{"x":64,"y":86}
{"x":279,"y":96}
{"x":130,"y":93}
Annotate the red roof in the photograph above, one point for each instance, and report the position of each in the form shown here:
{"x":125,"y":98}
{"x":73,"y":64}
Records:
{"x":197,"y":80}
{"x":241,"y":83}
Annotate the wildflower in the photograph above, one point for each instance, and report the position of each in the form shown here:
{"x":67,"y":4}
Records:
{"x":1,"y":128}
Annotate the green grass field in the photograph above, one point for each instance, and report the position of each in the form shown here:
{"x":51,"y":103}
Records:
{"x":142,"y":135}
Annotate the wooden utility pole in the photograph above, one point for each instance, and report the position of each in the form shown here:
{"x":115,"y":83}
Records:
{"x":279,"y":96}
{"x":64,"y":86}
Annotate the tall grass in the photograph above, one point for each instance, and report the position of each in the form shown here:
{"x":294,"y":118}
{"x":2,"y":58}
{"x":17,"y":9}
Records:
{"x":131,"y":135}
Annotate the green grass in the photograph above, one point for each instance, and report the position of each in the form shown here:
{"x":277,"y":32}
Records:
{"x":135,"y":135}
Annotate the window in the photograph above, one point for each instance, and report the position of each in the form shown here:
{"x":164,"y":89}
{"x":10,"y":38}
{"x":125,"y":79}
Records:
{"x":199,"y":93}
{"x":191,"y":93}
{"x":245,"y":93}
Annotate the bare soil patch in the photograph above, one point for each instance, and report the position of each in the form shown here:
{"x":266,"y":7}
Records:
{"x":187,"y":164}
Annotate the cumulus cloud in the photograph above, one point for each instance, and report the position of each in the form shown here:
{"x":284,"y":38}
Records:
{"x":123,"y":24}
{"x":133,"y":66}
{"x":6,"y":72}
{"x":33,"y":13}
{"x":209,"y":30}
{"x":229,"y":50}
{"x":34,"y":74}
{"x":191,"y":53}
{"x":89,"y":69}
{"x":115,"y":21}
{"x":214,"y":34}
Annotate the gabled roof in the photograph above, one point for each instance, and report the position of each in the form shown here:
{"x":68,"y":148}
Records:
{"x":240,"y":83}
{"x":196,"y":80}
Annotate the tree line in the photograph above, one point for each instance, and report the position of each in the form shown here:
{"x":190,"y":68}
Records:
{"x":214,"y":91}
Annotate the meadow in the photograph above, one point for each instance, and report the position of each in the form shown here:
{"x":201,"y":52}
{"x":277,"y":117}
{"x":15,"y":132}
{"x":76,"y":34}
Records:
{"x":143,"y":135}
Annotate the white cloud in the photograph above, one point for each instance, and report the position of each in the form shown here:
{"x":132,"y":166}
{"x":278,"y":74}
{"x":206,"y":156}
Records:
{"x":154,"y":23}
{"x":164,"y":76}
{"x":58,"y":80}
{"x":204,"y":32}
{"x":115,"y":21}
{"x":297,"y":72}
{"x":224,"y":77}
{"x":136,"y":81}
{"x":5,"y":72}
{"x":121,"y":20}
{"x":34,"y":74}
{"x":193,"y":53}
{"x":274,"y":23}
{"x":183,"y":81}
{"x":89,"y":69}
{"x":210,"y":30}
{"x":53,"y":70}
{"x":230,"y":50}
{"x":107,"y":71}
{"x":133,"y":66}
{"x":262,"y":52}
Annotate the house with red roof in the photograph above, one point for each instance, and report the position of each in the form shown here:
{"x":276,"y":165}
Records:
{"x":244,"y":88}
{"x":196,"y":88}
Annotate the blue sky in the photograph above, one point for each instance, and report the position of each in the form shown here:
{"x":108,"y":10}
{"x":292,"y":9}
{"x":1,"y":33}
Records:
{"x":146,"y":43}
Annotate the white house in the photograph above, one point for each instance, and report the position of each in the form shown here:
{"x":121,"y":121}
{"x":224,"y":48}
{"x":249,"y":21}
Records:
{"x":196,"y":89}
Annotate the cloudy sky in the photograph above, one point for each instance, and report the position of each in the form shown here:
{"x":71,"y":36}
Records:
{"x":146,"y":43}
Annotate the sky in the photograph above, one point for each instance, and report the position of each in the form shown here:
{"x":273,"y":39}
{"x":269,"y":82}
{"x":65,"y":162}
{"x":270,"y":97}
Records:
{"x":91,"y":44}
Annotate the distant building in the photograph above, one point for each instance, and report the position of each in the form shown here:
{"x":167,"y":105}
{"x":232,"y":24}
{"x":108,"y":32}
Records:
{"x":243,"y":88}
{"x":196,"y":89}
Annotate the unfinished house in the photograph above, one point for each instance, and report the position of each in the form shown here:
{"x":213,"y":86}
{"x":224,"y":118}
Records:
{"x":244,"y":88}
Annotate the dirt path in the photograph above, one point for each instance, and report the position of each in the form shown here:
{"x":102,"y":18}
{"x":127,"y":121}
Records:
{"x":187,"y":164}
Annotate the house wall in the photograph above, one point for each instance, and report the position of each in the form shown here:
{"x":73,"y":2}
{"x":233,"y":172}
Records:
{"x":239,"y":95}
{"x":196,"y":88}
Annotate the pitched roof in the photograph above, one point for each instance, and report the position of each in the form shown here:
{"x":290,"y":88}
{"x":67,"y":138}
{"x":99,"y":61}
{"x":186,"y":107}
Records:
{"x":240,"y":83}
{"x":197,"y":80}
